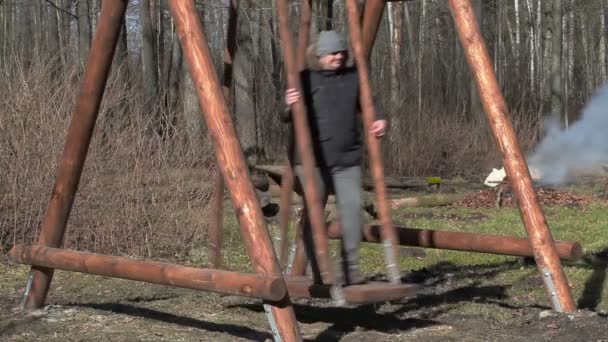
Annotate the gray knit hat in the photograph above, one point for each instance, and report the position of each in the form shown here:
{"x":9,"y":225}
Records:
{"x":330,"y":42}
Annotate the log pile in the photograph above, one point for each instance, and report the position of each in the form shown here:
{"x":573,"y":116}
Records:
{"x":269,"y":194}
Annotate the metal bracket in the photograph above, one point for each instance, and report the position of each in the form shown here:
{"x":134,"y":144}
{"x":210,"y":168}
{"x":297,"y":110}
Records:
{"x":337,"y":296}
{"x":292,"y":256}
{"x":551,"y":286}
{"x":273,"y":323}
{"x":268,"y":308}
{"x":28,"y":288}
{"x":391,"y":264}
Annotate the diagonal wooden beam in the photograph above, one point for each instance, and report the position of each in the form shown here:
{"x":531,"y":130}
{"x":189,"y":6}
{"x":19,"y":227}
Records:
{"x":230,"y":157}
{"x":217,"y":212}
{"x":77,"y":143}
{"x":389,"y":235}
{"x":304,"y":145}
{"x":372,"y":16}
{"x":495,"y":107}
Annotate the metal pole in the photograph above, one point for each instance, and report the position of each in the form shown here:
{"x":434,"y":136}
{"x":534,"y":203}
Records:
{"x":230,"y":283}
{"x":77,"y":143}
{"x":304,"y":145}
{"x":389,"y":235}
{"x":462,"y":241}
{"x":230,"y":156}
{"x":547,"y":258}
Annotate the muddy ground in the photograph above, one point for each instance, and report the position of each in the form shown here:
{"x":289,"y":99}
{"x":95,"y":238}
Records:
{"x":484,"y":300}
{"x":456,"y":304}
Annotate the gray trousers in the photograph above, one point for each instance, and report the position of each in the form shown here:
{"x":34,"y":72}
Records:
{"x":346,"y":185}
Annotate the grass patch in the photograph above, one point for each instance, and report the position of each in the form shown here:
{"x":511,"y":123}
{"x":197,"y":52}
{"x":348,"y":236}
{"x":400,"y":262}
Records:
{"x":585,"y":225}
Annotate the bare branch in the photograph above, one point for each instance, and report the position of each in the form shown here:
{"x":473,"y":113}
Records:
{"x":60,"y":9}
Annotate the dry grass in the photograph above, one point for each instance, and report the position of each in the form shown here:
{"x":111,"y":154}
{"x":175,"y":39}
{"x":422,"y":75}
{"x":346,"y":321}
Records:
{"x":144,"y":194}
{"x":447,"y":145}
{"x":140,"y":194}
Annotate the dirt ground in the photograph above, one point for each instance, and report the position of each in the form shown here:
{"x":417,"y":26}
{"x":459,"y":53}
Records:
{"x":489,"y":301}
{"x":456,"y":304}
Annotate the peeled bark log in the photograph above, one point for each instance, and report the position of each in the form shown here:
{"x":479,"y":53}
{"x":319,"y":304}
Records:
{"x":275,"y":172}
{"x":435,"y":200}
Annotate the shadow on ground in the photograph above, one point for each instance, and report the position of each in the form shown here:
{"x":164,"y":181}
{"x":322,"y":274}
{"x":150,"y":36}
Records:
{"x":131,"y":310}
{"x":441,"y":290}
{"x":592,"y":292}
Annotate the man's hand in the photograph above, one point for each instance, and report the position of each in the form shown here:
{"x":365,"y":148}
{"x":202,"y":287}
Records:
{"x":379,"y":127}
{"x":291,"y":96}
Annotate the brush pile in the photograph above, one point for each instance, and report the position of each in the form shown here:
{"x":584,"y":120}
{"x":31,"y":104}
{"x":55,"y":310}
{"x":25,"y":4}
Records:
{"x":503,"y":196}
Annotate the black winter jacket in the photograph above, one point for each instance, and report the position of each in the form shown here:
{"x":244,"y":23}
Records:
{"x":332,"y":101}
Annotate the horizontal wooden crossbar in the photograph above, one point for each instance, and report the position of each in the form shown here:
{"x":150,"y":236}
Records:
{"x":219,"y":281}
{"x":464,"y":241}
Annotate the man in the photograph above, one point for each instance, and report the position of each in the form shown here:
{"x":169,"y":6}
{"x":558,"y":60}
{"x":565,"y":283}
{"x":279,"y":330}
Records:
{"x":331,"y":95}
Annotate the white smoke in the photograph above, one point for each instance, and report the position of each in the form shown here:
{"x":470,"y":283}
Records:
{"x":582,"y":148}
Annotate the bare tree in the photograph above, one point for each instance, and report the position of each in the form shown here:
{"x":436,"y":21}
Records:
{"x":84,"y":30}
{"x":149,"y":56}
{"x":121,"y":57}
{"x":395,"y":16}
{"x":244,"y":85}
{"x":556,"y":62}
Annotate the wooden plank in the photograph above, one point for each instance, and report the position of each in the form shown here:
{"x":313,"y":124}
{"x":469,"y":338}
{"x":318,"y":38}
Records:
{"x":372,"y":292}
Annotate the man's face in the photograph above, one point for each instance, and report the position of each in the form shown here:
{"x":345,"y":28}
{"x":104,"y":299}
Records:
{"x":333,"y":61}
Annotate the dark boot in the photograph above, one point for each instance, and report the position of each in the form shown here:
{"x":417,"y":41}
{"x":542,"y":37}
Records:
{"x":353,"y":276}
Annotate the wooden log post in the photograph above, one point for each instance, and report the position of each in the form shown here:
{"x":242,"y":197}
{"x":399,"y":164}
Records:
{"x":217,"y":215}
{"x":304,"y":145}
{"x":391,"y":241}
{"x":231,"y":160}
{"x":541,"y":240}
{"x":77,"y":143}
{"x":372,"y":16}
{"x":288,"y":180}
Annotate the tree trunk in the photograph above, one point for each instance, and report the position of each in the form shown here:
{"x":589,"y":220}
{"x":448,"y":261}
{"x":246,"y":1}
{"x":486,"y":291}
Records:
{"x":160,"y":43}
{"x":244,"y":85}
{"x":173,"y":89}
{"x":477,"y":113}
{"x":53,"y":29}
{"x":396,"y":26}
{"x":547,"y":43}
{"x":52,"y":49}
{"x":84,"y":30}
{"x":149,"y":60}
{"x":556,"y":62}
{"x":531,"y":45}
{"x":602,"y":42}
{"x":517,"y":46}
{"x":539,"y":53}
{"x":191,"y":110}
{"x":569,"y":56}
{"x":193,"y":117}
{"x":3,"y":32}
{"x":121,"y":57}
{"x":37,"y":30}
{"x":421,"y":38}
{"x":94,"y":10}
{"x":498,"y":44}
{"x":64,"y":31}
